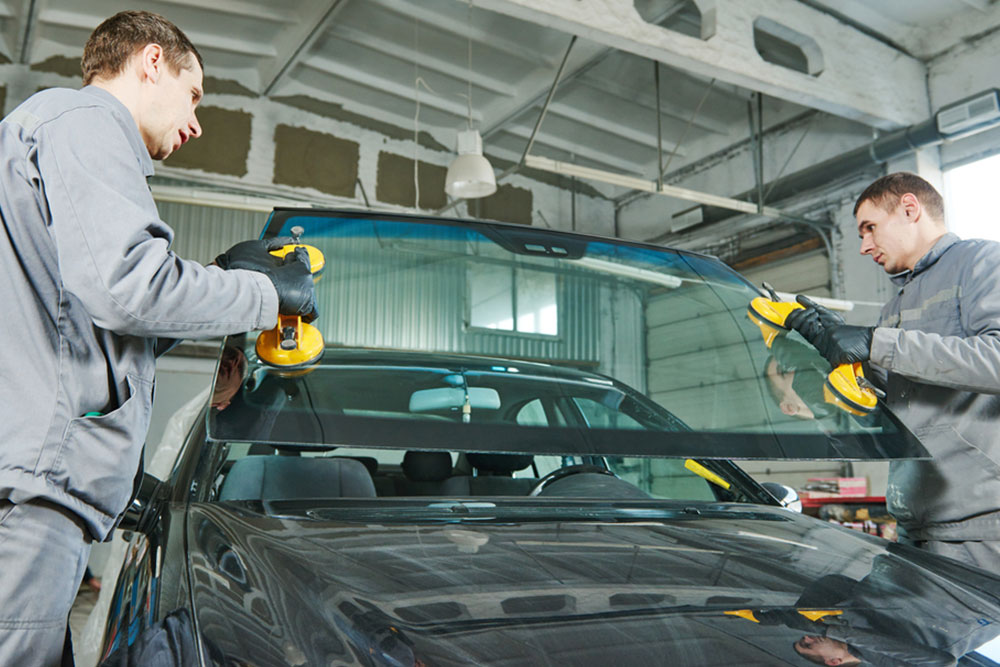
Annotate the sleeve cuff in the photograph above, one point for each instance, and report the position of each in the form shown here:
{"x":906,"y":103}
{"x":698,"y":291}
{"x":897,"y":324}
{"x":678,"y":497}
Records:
{"x":267,"y":318}
{"x":884,"y":343}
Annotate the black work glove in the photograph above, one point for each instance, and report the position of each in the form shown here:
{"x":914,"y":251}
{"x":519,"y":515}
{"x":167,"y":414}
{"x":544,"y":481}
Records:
{"x":845,"y":344}
{"x":290,"y":275}
{"x":811,"y":320}
{"x":294,"y":283}
{"x":254,"y":255}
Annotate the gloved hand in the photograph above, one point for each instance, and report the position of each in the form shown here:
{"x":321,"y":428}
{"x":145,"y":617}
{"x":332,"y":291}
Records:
{"x":845,"y":344}
{"x":253,"y":255}
{"x":294,"y":283}
{"x":290,"y":275}
{"x":811,"y":320}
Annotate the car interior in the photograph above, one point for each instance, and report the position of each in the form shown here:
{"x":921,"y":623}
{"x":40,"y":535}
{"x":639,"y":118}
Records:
{"x":263,"y":472}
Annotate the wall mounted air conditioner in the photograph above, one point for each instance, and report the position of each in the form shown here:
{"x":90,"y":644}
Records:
{"x":969,"y":114}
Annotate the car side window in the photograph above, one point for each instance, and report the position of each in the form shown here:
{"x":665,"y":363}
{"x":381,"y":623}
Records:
{"x":532,"y":414}
{"x":599,"y":415}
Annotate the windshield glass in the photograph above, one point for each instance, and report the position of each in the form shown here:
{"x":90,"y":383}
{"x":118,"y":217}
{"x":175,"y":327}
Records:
{"x":456,"y":335}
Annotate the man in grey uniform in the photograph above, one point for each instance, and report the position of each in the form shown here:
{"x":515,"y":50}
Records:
{"x":92,"y":292}
{"x":936,"y":352}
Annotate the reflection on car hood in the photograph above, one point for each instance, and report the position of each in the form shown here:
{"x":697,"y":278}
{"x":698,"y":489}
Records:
{"x":295,"y":589}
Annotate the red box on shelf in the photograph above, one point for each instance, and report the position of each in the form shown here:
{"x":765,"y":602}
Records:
{"x":835,"y":487}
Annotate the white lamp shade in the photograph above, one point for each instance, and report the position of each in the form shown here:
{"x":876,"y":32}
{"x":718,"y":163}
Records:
{"x":470,"y":175}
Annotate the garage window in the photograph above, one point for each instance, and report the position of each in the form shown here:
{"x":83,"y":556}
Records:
{"x":968,"y":199}
{"x":513,"y":299}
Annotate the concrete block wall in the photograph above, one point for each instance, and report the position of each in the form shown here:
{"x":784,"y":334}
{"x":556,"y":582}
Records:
{"x":298,"y":147}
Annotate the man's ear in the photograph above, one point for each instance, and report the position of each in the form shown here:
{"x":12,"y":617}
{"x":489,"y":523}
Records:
{"x":151,"y":62}
{"x":911,"y":206}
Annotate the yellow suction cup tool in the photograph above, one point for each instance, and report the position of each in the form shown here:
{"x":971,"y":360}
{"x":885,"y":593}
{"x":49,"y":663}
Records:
{"x":843,"y":389}
{"x":770,"y":316}
{"x":293,"y":343}
{"x":316,"y":259}
{"x":813,"y":615}
{"x":845,"y":386}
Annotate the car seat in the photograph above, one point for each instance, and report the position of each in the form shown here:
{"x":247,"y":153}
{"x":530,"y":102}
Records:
{"x":424,"y":473}
{"x":291,"y":478}
{"x":494,"y":476}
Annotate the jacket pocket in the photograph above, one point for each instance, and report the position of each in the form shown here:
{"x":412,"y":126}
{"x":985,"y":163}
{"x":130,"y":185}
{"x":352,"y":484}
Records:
{"x":99,"y":455}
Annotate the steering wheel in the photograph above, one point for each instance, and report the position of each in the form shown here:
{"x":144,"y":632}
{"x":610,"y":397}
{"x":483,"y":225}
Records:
{"x":560,"y":473}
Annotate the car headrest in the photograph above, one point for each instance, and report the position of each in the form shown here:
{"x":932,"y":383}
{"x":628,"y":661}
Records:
{"x":292,"y":478}
{"x":369,"y":462}
{"x":499,"y":464}
{"x":426,"y":466}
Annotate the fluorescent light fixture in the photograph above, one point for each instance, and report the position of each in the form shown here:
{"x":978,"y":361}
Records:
{"x":625,"y":271}
{"x":470,"y":175}
{"x":633,"y":183}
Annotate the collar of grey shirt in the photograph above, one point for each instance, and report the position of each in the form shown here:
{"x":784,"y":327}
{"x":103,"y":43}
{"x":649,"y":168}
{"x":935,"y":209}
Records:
{"x":125,"y":119}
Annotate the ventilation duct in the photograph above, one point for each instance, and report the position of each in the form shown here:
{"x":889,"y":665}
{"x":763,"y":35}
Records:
{"x":963,"y":118}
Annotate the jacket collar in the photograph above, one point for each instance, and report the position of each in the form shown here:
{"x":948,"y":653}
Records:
{"x":935,"y":253}
{"x":125,"y":119}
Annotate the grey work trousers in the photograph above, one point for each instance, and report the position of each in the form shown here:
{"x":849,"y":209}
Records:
{"x":43,"y":554}
{"x":982,"y":554}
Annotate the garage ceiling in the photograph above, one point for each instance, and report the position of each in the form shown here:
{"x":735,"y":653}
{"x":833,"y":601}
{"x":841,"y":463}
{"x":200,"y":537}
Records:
{"x":379,"y":58}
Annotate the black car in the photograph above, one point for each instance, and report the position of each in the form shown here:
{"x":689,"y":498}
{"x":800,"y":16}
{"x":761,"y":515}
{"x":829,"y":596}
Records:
{"x":518,"y":447}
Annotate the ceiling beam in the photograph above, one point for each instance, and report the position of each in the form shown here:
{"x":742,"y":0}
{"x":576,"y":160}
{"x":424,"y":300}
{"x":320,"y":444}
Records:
{"x":583,"y":58}
{"x":457,"y":107}
{"x":891,"y":94}
{"x":293,"y":42}
{"x":271,"y":13}
{"x":456,"y":70}
{"x":601,"y":123}
{"x":575,"y":148}
{"x":30,"y":13}
{"x":457,"y":24}
{"x":648,"y":100}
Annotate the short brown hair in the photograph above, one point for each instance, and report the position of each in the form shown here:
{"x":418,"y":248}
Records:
{"x":118,"y":38}
{"x":888,"y":190}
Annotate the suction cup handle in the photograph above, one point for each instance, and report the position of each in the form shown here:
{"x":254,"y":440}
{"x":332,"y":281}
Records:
{"x":288,"y":338}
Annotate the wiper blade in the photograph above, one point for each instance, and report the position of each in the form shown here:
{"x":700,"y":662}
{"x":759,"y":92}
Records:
{"x":457,"y":511}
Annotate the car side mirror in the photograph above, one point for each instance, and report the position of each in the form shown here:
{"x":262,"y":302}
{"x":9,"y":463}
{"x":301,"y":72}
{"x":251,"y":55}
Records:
{"x":784,"y":494}
{"x":138,"y":516}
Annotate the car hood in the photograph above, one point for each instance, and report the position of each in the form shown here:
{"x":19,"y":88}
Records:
{"x":711,"y":585}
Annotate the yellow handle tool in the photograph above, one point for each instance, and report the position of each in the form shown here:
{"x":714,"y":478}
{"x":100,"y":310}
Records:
{"x":843,"y":385}
{"x":293,"y":343}
{"x":812,"y":614}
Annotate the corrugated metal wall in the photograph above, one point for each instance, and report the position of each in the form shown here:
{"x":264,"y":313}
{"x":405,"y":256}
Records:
{"x":424,"y":308}
{"x":702,"y":367}
{"x":378,"y":297}
{"x":202,"y":232}
{"x":805,"y":274}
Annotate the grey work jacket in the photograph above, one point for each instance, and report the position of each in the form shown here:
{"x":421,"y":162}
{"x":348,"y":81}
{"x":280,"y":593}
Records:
{"x":939,"y":341}
{"x":89,"y":284}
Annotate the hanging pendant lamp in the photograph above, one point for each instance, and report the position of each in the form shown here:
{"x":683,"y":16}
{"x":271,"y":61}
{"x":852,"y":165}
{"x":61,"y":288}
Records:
{"x":470,"y":175}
